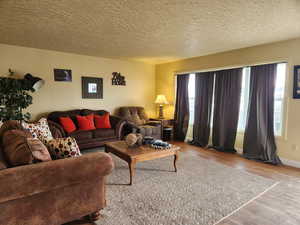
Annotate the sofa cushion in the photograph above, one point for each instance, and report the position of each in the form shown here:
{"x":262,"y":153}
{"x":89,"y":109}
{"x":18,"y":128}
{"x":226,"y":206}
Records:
{"x":81,"y":134}
{"x":61,"y":148}
{"x":20,"y":148}
{"x":147,"y":130}
{"x":104,"y":133}
{"x":39,"y":129}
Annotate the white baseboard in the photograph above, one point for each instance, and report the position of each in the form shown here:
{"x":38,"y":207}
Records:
{"x":287,"y":162}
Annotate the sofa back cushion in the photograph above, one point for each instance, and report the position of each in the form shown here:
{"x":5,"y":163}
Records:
{"x":3,"y":163}
{"x":85,"y":112}
{"x":6,"y":126}
{"x":20,"y":148}
{"x":54,"y":116}
{"x":137,"y":115}
{"x":10,"y":125}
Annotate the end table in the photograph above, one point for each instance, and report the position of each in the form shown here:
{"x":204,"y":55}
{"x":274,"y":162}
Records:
{"x":166,"y":128}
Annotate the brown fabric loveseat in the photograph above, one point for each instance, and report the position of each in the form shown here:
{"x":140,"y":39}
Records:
{"x":53,"y":192}
{"x":137,"y":118}
{"x":87,"y":139}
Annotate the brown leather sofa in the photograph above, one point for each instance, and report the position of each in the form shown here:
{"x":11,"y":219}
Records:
{"x":87,"y":139}
{"x":137,"y":119}
{"x":53,"y":192}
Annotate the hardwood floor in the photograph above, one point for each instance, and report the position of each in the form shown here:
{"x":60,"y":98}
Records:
{"x":280,"y":205}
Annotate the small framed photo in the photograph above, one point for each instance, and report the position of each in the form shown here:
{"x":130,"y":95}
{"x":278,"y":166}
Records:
{"x":296,"y":90}
{"x":63,"y":75}
{"x":92,"y":87}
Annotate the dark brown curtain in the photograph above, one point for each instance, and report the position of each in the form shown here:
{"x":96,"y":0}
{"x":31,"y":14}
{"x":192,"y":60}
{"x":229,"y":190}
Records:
{"x":226,"y":108}
{"x":204,"y":84}
{"x":181,"y":116}
{"x":259,"y":140}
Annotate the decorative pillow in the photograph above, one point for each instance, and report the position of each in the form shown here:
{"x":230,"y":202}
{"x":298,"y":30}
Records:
{"x":67,"y":124}
{"x":39,"y":130}
{"x":20,"y":149}
{"x":102,"y":121}
{"x":86,"y":122}
{"x":63,"y":148}
{"x":39,"y":151}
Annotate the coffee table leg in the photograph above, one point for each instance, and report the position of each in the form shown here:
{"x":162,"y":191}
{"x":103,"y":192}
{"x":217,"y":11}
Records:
{"x":131,"y":170}
{"x":175,"y":161}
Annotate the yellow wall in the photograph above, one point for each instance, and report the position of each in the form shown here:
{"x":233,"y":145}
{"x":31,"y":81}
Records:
{"x":139,"y":90}
{"x":289,"y":51}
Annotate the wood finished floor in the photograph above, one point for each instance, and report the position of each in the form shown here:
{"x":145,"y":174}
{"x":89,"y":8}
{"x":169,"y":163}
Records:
{"x":278,"y":206}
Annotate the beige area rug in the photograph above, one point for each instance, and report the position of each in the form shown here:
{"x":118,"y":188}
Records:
{"x":201,"y":192}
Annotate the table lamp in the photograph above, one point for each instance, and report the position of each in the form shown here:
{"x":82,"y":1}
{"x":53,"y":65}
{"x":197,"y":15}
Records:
{"x":161,"y":100}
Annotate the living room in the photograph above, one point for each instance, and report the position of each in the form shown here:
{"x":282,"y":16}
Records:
{"x":194,"y":108}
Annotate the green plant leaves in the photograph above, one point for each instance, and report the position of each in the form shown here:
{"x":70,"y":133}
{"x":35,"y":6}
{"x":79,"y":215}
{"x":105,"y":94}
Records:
{"x":14,"y":98}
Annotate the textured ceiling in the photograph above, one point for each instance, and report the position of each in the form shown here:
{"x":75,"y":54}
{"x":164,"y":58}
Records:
{"x":154,"y":31}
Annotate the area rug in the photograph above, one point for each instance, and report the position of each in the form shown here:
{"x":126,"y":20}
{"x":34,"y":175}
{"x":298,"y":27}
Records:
{"x":201,"y":192}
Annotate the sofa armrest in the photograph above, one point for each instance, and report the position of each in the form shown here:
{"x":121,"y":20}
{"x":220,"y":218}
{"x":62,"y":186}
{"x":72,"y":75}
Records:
{"x":28,"y":180}
{"x":114,"y":120}
{"x":56,"y":129}
{"x":117,"y":123}
{"x":119,"y":129}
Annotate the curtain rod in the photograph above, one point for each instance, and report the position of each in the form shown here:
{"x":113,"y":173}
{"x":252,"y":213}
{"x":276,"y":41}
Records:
{"x":224,"y":68}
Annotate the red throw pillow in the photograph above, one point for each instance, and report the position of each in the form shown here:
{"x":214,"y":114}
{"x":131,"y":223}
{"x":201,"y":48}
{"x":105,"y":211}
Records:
{"x":86,"y":122}
{"x":67,"y":124}
{"x":102,"y":121}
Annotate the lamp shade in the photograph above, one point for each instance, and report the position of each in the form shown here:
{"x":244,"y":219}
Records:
{"x":35,"y":82}
{"x":161,"y":99}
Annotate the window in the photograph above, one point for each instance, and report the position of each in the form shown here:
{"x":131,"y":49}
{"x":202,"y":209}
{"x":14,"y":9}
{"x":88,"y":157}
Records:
{"x":191,"y":97}
{"x":278,"y":99}
{"x":244,"y":99}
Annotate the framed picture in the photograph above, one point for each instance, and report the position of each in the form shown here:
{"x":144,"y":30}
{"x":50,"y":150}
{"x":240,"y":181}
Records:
{"x":92,"y":87}
{"x":62,"y":75}
{"x":296,"y":91}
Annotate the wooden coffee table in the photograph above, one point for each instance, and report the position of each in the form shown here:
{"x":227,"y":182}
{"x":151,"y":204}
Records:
{"x":132,"y":155}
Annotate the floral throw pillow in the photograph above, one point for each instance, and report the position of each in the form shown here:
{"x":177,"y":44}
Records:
{"x":61,"y":148}
{"x":39,"y":130}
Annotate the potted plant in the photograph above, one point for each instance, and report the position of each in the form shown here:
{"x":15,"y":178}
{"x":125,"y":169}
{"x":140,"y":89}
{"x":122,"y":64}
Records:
{"x":14,"y":97}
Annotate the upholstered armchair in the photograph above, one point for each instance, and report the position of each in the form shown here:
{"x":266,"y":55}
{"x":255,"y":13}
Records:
{"x":138,"y":121}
